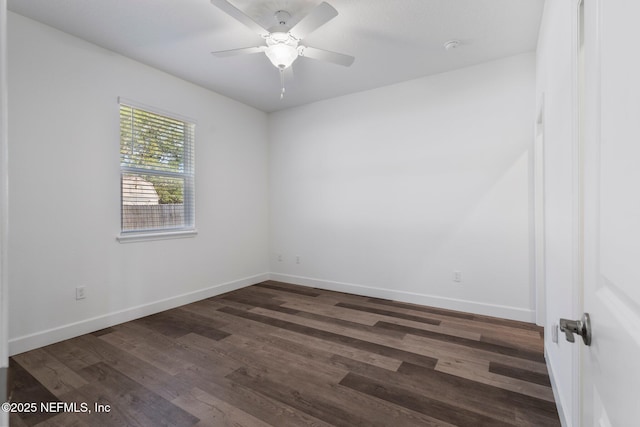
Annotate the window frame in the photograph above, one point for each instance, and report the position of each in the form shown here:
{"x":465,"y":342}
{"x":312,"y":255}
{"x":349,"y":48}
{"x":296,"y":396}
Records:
{"x":188,"y":176}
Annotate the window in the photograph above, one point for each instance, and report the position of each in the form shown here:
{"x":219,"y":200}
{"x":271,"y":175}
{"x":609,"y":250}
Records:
{"x":157,"y":172}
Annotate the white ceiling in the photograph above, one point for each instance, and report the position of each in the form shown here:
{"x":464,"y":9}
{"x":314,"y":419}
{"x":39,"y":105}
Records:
{"x":392,"y":40}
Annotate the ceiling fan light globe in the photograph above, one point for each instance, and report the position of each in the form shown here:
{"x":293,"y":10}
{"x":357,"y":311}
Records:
{"x":282,"y":55}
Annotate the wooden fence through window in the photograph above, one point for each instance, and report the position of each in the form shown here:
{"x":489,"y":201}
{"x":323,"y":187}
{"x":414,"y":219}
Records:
{"x":144,"y":217}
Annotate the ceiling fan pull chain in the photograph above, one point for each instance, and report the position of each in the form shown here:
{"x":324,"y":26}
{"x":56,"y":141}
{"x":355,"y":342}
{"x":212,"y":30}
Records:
{"x":282,"y":82}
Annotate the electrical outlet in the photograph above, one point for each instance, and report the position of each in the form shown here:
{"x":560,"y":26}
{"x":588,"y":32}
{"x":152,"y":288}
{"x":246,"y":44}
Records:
{"x":280,"y":258}
{"x":457,"y":276}
{"x":80,"y":292}
{"x":297,"y":259}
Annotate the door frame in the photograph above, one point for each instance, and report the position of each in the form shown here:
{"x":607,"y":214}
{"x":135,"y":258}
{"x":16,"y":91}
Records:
{"x":574,"y":417}
{"x":4,"y":211}
{"x":539,"y":217}
{"x":591,"y":161}
{"x":579,"y":88}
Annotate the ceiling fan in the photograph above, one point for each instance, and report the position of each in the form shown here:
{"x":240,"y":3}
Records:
{"x":283,"y":41}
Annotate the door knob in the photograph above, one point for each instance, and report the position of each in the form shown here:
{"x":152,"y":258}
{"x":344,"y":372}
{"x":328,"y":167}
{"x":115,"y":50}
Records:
{"x":580,"y":327}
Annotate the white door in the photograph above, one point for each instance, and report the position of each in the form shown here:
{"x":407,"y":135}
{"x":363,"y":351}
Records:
{"x":610,"y":367}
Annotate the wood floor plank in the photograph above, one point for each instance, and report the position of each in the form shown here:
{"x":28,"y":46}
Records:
{"x":438,"y":349}
{"x":214,"y":412}
{"x":390,"y":313}
{"x":334,"y":348}
{"x":294,"y":398}
{"x":330,"y":403}
{"x":168,"y":355}
{"x":519,"y":373}
{"x":264,"y":294}
{"x":514,"y":341}
{"x":317,"y":349}
{"x":311,"y":315}
{"x":65,"y":419}
{"x":444,"y":388}
{"x":23,"y":387}
{"x":371,"y":315}
{"x":479,"y":392}
{"x":155,"y":379}
{"x":93,"y":394}
{"x":431,"y":348}
{"x":324,"y":313}
{"x":441,"y":328}
{"x":285,"y":294}
{"x":285,"y":287}
{"x":349,"y":329}
{"x":255,"y":403}
{"x":334,"y":337}
{"x":460,"y":315}
{"x":72,"y":354}
{"x":282,"y":355}
{"x":102,"y":332}
{"x":526,"y":418}
{"x":150,"y":408}
{"x":271,"y":304}
{"x":140,"y":350}
{"x":264,"y":356}
{"x":470,"y":371}
{"x":353,"y":326}
{"x":332,"y":311}
{"x":481,"y":345}
{"x":366,"y":318}
{"x":419,"y":403}
{"x":176,"y":323}
{"x":333,"y":297}
{"x":49,"y":371}
{"x":525,"y":334}
{"x":421,"y":308}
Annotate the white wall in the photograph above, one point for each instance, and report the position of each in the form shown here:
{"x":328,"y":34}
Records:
{"x":65,"y":189}
{"x":555,"y":83}
{"x":387,"y":192}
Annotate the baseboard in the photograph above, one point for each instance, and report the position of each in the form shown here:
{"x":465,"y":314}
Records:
{"x":505,"y":312}
{"x":556,"y":395}
{"x":61,"y":333}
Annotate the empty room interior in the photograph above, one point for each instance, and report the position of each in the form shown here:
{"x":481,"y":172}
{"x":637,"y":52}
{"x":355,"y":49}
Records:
{"x":340,"y":213}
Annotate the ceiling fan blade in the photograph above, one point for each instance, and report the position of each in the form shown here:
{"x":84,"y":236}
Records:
{"x":319,"y":16}
{"x":236,"y":13}
{"x":326,"y":55}
{"x":241,"y":51}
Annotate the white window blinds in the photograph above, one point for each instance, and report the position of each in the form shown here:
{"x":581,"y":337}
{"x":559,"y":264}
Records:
{"x":157,"y":171}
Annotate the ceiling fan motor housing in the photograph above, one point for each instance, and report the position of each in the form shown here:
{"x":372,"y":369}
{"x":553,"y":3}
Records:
{"x":282,"y":17}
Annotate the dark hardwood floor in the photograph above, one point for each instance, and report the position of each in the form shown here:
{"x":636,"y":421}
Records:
{"x":276,"y":354}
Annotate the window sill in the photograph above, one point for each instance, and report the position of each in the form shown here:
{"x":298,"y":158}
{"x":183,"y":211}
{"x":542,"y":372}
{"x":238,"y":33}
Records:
{"x":158,"y":235}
